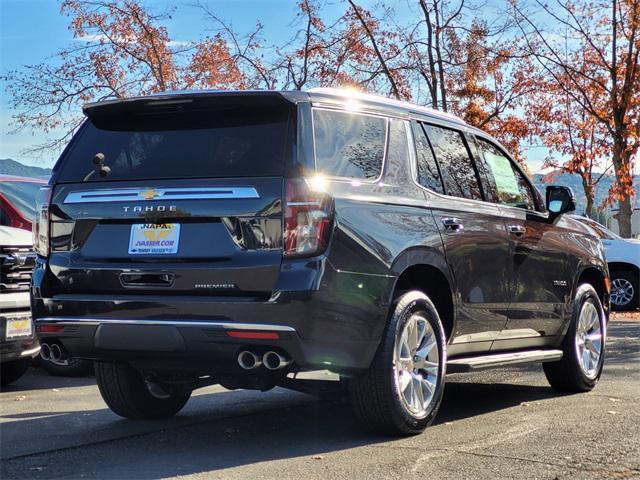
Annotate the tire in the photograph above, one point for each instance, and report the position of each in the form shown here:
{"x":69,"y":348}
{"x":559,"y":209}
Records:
{"x":13,"y":370}
{"x":628,"y":282}
{"x":377,"y":395}
{"x":125,"y":392}
{"x":75,"y":367}
{"x":569,"y":374}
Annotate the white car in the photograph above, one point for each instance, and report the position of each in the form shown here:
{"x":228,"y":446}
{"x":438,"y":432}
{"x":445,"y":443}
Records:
{"x":18,"y":343}
{"x":623,"y":257}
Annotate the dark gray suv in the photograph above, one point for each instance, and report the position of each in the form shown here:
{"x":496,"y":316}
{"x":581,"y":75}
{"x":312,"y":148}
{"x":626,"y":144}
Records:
{"x":240,"y":238}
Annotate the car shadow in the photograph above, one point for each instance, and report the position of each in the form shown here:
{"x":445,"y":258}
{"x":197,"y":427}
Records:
{"x":38,"y":379}
{"x":196,"y":443}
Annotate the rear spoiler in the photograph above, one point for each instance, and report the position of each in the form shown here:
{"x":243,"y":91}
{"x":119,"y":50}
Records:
{"x":186,"y":100}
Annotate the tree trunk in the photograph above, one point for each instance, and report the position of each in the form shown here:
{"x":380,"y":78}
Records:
{"x":624,"y":217}
{"x":625,"y":209}
{"x":588,"y":210}
{"x":589,"y":194}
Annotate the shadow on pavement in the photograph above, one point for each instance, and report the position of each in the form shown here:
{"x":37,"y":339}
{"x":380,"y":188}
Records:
{"x":38,"y":379}
{"x":190,"y":444}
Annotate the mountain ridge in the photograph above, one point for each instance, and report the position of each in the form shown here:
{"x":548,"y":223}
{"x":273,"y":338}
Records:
{"x":8,"y":166}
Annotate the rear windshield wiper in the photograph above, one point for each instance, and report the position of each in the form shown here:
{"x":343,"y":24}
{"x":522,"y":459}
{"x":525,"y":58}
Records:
{"x":98,"y":166}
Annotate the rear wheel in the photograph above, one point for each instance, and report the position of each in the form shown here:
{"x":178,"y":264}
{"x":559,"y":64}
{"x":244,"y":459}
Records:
{"x":126,"y":392}
{"x":624,"y":290}
{"x":12,"y":371}
{"x":581,"y":365}
{"x":402,"y":390}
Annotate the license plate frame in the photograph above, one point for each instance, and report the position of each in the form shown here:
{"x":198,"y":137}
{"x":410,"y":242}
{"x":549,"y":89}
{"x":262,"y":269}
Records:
{"x":18,"y":326}
{"x":154,"y":239}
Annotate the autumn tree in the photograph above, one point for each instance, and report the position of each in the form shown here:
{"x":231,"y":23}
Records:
{"x":120,"y":50}
{"x":592,"y":56}
{"x":488,"y":82}
{"x":577,"y":142}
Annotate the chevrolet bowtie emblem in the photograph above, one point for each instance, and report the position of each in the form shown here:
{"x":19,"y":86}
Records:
{"x":149,"y":194}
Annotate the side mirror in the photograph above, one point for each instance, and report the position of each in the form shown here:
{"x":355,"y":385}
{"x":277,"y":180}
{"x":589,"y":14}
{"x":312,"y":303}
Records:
{"x":560,"y":200}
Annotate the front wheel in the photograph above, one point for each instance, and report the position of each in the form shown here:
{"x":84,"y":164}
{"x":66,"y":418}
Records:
{"x":127,"y":394}
{"x":401,"y":391}
{"x":583,"y":347}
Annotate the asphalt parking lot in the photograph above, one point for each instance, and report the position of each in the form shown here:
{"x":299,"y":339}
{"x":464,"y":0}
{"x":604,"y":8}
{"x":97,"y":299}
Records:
{"x":499,"y":424}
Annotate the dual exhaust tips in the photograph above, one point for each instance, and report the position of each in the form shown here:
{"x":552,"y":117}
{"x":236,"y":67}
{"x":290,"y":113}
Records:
{"x":51,"y":351}
{"x":271,"y":360}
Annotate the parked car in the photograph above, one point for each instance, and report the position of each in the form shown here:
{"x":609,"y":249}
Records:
{"x":239,"y":237}
{"x":17,"y":209}
{"x":623,"y":257}
{"x":18,"y":337}
{"x":18,"y":200}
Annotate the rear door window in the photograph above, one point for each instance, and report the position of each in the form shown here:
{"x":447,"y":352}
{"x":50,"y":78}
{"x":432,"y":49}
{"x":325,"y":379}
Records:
{"x":349,"y":144}
{"x":456,"y":167}
{"x":238,"y":141}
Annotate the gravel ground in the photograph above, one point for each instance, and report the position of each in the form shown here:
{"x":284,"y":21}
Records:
{"x":498,"y":424}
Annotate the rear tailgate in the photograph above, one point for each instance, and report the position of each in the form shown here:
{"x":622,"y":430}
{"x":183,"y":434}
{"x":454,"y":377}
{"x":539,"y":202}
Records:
{"x":190,"y":201}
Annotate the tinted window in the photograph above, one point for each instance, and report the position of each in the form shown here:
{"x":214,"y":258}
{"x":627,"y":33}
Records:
{"x":456,"y":167}
{"x":428,"y":173}
{"x":510,"y":186}
{"x":235,"y":141}
{"x":22,"y":196}
{"x":348,"y":144}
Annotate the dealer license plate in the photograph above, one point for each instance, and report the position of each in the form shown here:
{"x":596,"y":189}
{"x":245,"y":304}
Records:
{"x":19,"y":327}
{"x":154,"y":238}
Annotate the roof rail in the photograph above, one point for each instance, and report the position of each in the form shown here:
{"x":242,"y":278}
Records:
{"x":358,"y":95}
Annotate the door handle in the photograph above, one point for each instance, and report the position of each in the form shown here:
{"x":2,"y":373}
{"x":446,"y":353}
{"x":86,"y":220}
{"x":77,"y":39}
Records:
{"x":452,"y":224}
{"x":517,"y":230}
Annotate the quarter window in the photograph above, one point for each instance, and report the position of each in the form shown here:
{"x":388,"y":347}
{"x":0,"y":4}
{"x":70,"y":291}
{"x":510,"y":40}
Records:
{"x":509,"y":184}
{"x":428,"y":173}
{"x":458,"y":173}
{"x":349,"y":144}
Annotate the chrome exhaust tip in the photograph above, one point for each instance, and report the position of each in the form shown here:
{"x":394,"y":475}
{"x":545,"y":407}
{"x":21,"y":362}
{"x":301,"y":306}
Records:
{"x":45,"y":351}
{"x":56,"y":352}
{"x":249,"y":360}
{"x":275,"y":361}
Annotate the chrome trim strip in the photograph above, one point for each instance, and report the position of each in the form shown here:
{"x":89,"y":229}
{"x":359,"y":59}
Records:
{"x":109,"y":195}
{"x":177,"y":323}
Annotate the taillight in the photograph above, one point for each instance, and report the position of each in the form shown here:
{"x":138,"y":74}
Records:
{"x":308,"y":214}
{"x":41,"y":222}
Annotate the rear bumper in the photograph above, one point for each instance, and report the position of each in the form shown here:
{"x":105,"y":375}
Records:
{"x":336,"y":324}
{"x":205,"y":346}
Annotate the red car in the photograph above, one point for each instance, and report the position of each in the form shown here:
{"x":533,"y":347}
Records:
{"x":18,"y":199}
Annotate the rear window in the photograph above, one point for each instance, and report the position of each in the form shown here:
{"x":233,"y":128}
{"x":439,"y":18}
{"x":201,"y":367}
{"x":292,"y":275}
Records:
{"x":349,"y":144}
{"x":227,"y":142}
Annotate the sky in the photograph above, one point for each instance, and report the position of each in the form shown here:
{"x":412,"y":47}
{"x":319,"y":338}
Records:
{"x":31,"y":31}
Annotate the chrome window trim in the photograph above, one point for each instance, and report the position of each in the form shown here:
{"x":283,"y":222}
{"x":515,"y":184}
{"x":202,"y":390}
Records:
{"x":176,"y":323}
{"x":111,"y":195}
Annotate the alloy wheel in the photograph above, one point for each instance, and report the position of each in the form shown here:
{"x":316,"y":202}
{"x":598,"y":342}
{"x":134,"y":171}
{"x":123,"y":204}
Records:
{"x":589,"y":338}
{"x":622,"y":292}
{"x":417,"y":361}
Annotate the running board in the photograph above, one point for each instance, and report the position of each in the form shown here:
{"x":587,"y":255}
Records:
{"x":497,"y":360}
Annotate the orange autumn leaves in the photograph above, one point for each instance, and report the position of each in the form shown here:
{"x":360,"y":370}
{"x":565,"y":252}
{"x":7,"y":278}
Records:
{"x":565,"y":76}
